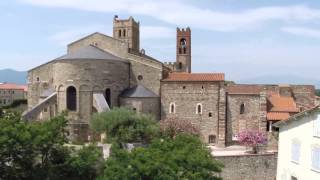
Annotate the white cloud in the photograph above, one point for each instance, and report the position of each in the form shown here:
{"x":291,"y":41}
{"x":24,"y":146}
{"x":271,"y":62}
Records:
{"x":179,"y":13}
{"x":302,"y":31}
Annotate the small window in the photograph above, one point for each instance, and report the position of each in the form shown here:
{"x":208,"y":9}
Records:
{"x":316,"y":127}
{"x":45,"y":110}
{"x":38,"y":79}
{"x":134,"y":109}
{"x":172,"y":108}
{"x":119,"y":33}
{"x":315,"y":158}
{"x":183,"y":87}
{"x":210,"y":114}
{"x":295,"y":151}
{"x":212,"y":139}
{"x":199,"y":108}
{"x":202,"y":87}
{"x":180,"y":65}
{"x":12,"y":92}
{"x":124,"y":33}
{"x":140,"y":77}
{"x":242,"y":108}
{"x":4,"y":101}
{"x":0,"y":101}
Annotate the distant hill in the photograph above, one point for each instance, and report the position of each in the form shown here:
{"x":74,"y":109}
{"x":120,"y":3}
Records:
{"x":282,"y":79}
{"x":12,"y":76}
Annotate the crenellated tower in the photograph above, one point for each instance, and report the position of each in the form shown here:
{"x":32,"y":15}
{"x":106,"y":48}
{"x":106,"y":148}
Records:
{"x":183,"y":61}
{"x":127,"y":30}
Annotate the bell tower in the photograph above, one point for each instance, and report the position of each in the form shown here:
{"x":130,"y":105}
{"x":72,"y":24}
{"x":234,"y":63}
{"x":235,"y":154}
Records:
{"x":127,"y":30}
{"x":183,"y":61}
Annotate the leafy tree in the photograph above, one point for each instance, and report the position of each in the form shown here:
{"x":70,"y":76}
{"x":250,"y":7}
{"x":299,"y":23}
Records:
{"x":123,"y":125}
{"x":35,"y":151}
{"x":184,"y":157}
{"x":252,"y":139}
{"x":172,"y":127}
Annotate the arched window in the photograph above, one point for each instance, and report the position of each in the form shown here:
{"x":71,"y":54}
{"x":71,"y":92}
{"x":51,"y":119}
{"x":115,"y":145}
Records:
{"x":119,"y":33}
{"x":71,"y":98}
{"x":183,"y":45}
{"x":108,"y":96}
{"x":172,"y":109}
{"x":199,"y":108}
{"x":124,"y":33}
{"x":212,"y":139}
{"x":242,"y":108}
{"x":180,"y":65}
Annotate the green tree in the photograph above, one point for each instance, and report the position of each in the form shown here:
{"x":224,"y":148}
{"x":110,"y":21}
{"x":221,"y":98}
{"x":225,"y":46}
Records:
{"x":35,"y":151}
{"x":184,"y":157}
{"x":123,"y":125}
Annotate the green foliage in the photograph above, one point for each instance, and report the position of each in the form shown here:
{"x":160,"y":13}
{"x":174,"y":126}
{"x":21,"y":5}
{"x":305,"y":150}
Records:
{"x":123,"y":125}
{"x":183,"y":157}
{"x":35,"y":151}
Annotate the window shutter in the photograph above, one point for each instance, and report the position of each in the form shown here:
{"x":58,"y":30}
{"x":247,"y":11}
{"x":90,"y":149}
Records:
{"x":315,"y":158}
{"x":295,"y":151}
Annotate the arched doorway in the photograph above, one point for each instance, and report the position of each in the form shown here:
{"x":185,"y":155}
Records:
{"x":71,"y":98}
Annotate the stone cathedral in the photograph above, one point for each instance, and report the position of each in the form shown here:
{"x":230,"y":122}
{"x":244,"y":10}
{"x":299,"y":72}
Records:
{"x":99,"y":72}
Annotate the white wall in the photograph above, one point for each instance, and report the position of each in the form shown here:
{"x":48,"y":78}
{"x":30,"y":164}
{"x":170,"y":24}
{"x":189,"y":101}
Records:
{"x":301,"y":130}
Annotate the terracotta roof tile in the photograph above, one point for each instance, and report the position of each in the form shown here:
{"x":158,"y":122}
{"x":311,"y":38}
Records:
{"x":195,"y":77}
{"x":277,"y":116}
{"x":244,"y":89}
{"x":9,"y":86}
{"x":282,"y":104}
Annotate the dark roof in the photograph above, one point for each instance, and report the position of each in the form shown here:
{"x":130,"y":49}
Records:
{"x":138,"y":91}
{"x":90,"y":52}
{"x":297,"y":116}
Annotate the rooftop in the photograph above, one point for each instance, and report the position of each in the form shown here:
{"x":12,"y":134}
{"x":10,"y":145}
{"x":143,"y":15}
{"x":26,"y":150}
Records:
{"x":244,"y":89}
{"x":138,"y":91}
{"x":10,"y":86}
{"x":194,"y":77}
{"x":90,"y":52}
{"x":282,"y":104}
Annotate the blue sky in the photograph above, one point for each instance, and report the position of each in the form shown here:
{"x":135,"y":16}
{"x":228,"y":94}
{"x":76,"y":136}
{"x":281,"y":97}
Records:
{"x":245,"y":39}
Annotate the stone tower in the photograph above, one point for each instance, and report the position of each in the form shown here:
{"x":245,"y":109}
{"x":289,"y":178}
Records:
{"x":128,"y":31}
{"x":183,"y":61}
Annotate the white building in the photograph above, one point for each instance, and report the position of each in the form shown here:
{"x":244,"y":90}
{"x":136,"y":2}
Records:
{"x":299,"y":146}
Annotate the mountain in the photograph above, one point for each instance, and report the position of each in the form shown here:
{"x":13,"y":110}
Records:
{"x":282,"y":79}
{"x":12,"y":76}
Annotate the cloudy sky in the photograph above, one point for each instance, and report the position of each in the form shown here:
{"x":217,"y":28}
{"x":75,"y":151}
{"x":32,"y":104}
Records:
{"x":249,"y":40}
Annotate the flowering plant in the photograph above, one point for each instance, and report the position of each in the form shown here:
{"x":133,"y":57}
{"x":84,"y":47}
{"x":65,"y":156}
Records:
{"x":252,"y":139}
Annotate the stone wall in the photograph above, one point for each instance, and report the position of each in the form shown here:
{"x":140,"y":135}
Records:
{"x":143,"y":105}
{"x":186,"y":96}
{"x":249,"y":167}
{"x":107,"y":43}
{"x":149,"y":70}
{"x":250,"y":119}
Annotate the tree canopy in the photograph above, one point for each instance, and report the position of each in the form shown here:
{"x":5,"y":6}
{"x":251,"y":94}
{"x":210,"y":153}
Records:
{"x":124,"y":125}
{"x":35,"y":151}
{"x":184,"y":157}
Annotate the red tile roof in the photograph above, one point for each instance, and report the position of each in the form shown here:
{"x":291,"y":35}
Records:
{"x":194,"y":77}
{"x":277,"y":116}
{"x":282,"y":104}
{"x":244,"y":89}
{"x":9,"y":86}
